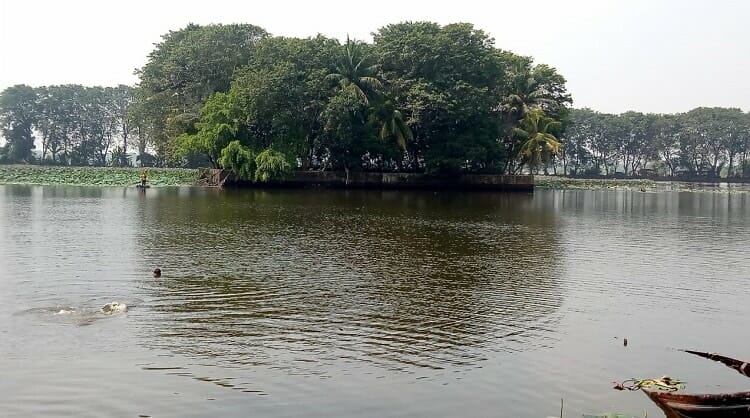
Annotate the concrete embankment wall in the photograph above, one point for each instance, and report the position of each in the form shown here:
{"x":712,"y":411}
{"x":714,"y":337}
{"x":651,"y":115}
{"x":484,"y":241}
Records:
{"x":359,"y":180}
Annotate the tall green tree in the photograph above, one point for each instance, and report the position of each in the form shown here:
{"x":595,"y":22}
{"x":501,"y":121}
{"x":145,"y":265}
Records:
{"x":146,"y":125}
{"x":215,"y":130}
{"x":665,"y":136}
{"x":281,"y":95}
{"x":346,"y":133}
{"x":46,"y":108}
{"x":355,"y":73}
{"x":184,"y":70}
{"x":576,"y":156}
{"x":118,"y":107}
{"x":531,"y":86}
{"x":447,"y":81}
{"x":18,"y":117}
{"x":707,"y":135}
{"x":349,"y":135}
{"x":539,"y":145}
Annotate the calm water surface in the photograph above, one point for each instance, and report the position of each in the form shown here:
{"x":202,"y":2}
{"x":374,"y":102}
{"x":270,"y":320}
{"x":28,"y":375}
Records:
{"x":368,"y":304}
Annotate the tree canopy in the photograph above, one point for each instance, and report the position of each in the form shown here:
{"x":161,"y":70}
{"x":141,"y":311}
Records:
{"x":421,"y":97}
{"x":704,"y":142}
{"x":75,"y":125}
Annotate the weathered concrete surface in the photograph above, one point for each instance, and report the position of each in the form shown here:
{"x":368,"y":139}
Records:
{"x":359,"y":180}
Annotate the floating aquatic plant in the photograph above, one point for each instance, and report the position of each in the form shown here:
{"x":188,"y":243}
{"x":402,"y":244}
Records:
{"x":94,"y":176}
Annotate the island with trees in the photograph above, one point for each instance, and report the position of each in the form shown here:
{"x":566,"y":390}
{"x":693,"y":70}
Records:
{"x":420,"y":98}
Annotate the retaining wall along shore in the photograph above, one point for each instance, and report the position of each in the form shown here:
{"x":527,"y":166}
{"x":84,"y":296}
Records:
{"x":359,"y":180}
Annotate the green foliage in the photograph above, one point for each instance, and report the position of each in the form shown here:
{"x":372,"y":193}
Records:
{"x":704,"y":142}
{"x":271,"y":165}
{"x":347,"y":135}
{"x":534,"y":86}
{"x":447,"y":81}
{"x":239,"y":159}
{"x":184,"y":70}
{"x":355,"y":73}
{"x":94,"y":176}
{"x":75,"y":125}
{"x":558,"y":182}
{"x":120,"y":158}
{"x":266,"y":166}
{"x":422,"y":97}
{"x":393,"y":125}
{"x":215,"y":130}
{"x":18,"y":116}
{"x":710,"y":138}
{"x":282,"y":94}
{"x":539,"y":145}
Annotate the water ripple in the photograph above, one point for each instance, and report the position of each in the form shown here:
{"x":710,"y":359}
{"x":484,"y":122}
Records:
{"x":389,"y":304}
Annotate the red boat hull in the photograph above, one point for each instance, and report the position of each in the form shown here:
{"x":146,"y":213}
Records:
{"x":724,"y":405}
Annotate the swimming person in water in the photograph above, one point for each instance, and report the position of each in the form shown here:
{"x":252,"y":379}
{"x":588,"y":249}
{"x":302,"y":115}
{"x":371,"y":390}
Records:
{"x":157,"y":273}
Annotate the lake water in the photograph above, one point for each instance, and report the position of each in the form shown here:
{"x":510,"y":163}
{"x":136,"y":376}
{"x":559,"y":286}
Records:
{"x":367,"y":304}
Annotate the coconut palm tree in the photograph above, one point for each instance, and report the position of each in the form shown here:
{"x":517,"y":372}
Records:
{"x":393,"y":124}
{"x":538,"y":145}
{"x":527,"y":92}
{"x":538,"y":86}
{"x":354,"y":75}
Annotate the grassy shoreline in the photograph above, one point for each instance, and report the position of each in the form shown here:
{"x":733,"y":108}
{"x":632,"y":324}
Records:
{"x":160,"y":177}
{"x":94,"y":176}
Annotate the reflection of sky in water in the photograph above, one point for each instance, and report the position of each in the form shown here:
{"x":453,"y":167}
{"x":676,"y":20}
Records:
{"x":363,"y":303}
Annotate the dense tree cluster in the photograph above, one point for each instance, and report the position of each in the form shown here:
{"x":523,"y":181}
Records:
{"x":420,"y":98}
{"x":704,"y":142}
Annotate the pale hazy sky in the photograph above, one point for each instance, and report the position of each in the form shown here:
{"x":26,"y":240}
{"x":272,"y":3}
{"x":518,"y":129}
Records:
{"x":647,"y":55}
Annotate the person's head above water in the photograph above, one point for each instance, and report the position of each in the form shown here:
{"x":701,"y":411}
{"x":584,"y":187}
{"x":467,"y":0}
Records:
{"x":157,"y":273}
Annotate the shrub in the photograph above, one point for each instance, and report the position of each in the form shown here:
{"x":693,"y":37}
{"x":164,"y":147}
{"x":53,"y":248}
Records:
{"x":271,"y":165}
{"x":239,"y":159}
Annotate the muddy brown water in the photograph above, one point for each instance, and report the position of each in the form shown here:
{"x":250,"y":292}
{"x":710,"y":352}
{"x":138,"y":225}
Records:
{"x":367,"y":304}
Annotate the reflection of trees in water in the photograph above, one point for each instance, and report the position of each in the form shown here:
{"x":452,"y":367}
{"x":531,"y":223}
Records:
{"x":13,"y":190}
{"x":462,"y":274}
{"x":627,"y":203}
{"x":300,"y":280}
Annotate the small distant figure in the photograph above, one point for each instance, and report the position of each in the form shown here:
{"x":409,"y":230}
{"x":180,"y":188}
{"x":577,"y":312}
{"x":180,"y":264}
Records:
{"x":144,"y":178}
{"x":157,"y":273}
{"x":625,"y":342}
{"x":643,"y":189}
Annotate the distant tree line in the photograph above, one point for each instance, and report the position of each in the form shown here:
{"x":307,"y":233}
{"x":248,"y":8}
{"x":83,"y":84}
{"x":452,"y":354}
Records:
{"x":704,"y":142}
{"x":75,"y":125}
{"x":420,"y":98}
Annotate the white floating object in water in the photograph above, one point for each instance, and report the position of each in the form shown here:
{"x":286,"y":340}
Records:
{"x":114,"y":307}
{"x":65,"y":311}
